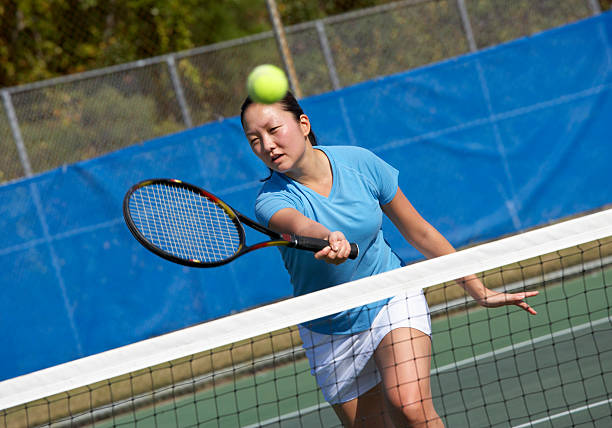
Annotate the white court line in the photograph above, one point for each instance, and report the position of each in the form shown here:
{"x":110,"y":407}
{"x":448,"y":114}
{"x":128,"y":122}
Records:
{"x":288,"y":416}
{"x":560,"y":415}
{"x":521,"y":345}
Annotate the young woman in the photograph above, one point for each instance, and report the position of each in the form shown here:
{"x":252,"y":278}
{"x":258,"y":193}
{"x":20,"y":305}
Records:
{"x":372,"y":363}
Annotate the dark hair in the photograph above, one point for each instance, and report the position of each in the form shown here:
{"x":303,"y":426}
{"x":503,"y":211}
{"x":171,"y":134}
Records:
{"x":288,"y":103}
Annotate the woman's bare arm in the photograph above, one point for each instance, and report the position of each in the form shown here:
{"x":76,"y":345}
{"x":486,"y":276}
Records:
{"x":429,"y":242}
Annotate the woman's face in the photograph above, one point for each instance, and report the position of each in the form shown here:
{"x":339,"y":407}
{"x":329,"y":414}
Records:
{"x":275,"y":136}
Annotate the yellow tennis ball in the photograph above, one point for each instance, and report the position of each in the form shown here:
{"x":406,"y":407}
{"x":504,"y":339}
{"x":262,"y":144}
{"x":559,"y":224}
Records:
{"x":267,"y":84}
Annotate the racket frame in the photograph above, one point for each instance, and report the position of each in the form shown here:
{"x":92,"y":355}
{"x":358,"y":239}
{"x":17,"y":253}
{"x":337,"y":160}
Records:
{"x":278,"y":239}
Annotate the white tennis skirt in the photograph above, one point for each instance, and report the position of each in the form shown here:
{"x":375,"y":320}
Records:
{"x":342,"y":363}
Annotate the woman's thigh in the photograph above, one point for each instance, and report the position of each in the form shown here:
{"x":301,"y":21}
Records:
{"x":366,"y":411}
{"x":403,"y":358}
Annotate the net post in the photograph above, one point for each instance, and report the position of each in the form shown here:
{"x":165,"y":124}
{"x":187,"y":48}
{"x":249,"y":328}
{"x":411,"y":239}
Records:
{"x":327,"y":54}
{"x":467,"y":25}
{"x":281,"y":40}
{"x":14,"y":123}
{"x":595,"y":7}
{"x":178,"y":88}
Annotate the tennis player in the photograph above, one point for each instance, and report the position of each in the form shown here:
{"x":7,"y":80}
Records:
{"x":372,"y":363}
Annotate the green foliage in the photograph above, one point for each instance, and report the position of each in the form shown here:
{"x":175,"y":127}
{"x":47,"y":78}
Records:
{"x":10,"y":167}
{"x":40,"y":39}
{"x":80,"y":124}
{"x":495,"y":21}
{"x":388,"y":43}
{"x":215,"y":82}
{"x":295,"y":11}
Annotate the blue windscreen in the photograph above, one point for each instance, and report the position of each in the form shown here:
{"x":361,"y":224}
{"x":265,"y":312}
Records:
{"x":487,"y":144}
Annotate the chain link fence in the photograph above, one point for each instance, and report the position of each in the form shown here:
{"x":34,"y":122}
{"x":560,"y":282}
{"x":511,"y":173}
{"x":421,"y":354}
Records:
{"x":64,"y":120}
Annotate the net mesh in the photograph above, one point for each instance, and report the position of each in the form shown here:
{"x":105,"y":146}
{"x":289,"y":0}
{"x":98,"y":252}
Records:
{"x":489,"y":366}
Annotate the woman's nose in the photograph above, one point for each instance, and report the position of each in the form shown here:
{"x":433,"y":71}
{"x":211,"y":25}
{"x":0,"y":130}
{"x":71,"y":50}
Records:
{"x":268,"y":142}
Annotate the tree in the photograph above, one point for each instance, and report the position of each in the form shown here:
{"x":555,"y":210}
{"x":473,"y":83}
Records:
{"x":40,"y":39}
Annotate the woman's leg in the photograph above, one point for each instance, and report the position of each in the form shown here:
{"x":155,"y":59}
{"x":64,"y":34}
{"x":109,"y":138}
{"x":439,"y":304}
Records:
{"x":404,"y":360}
{"x":365,"y":411}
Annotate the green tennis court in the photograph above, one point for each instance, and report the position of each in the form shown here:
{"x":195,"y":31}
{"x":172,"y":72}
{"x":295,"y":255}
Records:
{"x":489,"y":369}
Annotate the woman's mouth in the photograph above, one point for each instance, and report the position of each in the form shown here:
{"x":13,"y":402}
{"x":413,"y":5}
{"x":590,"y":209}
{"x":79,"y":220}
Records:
{"x":274,"y":158}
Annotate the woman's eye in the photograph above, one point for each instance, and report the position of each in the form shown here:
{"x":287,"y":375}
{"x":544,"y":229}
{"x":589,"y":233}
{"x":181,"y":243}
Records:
{"x":272,"y":130}
{"x":254,"y":141}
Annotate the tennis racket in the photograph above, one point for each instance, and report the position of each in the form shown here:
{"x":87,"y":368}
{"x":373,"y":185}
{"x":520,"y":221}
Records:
{"x":190,"y":226}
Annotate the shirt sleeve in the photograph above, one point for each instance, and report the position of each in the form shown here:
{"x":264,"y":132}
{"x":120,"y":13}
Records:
{"x":269,"y":203}
{"x":385,"y":178}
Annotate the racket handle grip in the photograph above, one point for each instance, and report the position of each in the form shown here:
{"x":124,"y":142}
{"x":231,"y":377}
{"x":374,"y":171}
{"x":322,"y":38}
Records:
{"x":315,"y":244}
{"x":354,"y":251}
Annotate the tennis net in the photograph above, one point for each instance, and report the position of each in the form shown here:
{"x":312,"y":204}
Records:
{"x":489,"y":367}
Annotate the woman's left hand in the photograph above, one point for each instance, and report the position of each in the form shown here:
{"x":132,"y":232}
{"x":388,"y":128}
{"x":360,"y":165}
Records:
{"x":494,"y":299}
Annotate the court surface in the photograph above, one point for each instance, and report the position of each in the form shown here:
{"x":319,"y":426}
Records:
{"x":488,"y":370}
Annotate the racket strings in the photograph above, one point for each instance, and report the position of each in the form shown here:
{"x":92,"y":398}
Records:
{"x":183,"y":223}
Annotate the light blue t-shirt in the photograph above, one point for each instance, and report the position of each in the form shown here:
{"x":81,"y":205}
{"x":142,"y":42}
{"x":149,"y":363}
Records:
{"x":362,"y":182}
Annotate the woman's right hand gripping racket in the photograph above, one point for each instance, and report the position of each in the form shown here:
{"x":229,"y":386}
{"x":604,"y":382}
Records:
{"x":188,"y":225}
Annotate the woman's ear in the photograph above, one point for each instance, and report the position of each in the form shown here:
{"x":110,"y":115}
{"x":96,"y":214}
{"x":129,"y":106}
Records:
{"x":305,"y":125}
